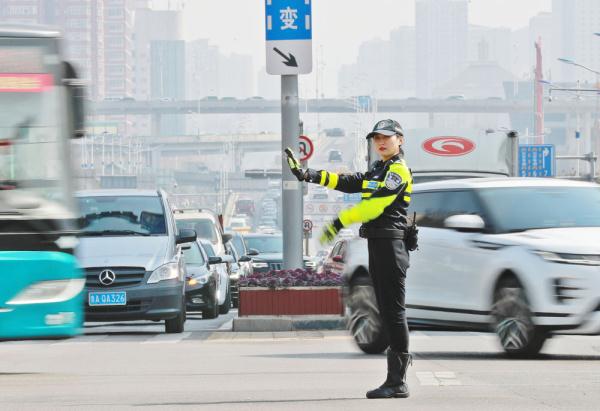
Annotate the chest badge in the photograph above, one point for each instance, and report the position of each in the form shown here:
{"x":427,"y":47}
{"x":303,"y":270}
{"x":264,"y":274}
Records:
{"x":393,"y":181}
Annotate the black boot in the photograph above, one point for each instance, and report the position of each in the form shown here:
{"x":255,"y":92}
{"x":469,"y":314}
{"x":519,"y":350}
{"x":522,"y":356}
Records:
{"x":395,"y":384}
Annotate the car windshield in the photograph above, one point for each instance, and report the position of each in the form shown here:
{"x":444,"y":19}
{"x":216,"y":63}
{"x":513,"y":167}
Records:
{"x":122,"y":215}
{"x":193,"y":255}
{"x":266,"y":244}
{"x":210,"y":251}
{"x":204,"y":227}
{"x":238,"y":244}
{"x":525,"y":208}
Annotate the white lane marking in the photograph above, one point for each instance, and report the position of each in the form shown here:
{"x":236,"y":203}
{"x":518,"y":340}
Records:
{"x":167,"y":338}
{"x":84,"y":339}
{"x":438,"y":378}
{"x":227,"y":326}
{"x":420,"y":335}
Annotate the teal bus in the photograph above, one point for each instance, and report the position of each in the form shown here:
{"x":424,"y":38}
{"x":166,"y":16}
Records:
{"x":41,"y":109}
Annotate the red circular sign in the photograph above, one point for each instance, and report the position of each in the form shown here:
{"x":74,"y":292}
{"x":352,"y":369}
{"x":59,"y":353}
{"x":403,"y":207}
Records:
{"x":306,"y":148}
{"x":448,"y":146}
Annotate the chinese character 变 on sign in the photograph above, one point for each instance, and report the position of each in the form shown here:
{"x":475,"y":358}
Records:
{"x":288,"y":18}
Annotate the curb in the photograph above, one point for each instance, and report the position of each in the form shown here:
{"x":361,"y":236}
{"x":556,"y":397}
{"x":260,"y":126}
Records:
{"x":289,"y":323}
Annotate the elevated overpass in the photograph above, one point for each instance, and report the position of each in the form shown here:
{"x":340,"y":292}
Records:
{"x":410,"y":105}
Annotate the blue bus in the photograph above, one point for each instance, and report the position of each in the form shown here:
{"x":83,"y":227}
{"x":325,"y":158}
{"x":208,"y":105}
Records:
{"x":41,"y":109}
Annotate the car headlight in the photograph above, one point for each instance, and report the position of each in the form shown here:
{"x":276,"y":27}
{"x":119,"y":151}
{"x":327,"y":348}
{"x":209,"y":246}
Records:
{"x":201,"y":279}
{"x":53,"y":291}
{"x":164,"y":272}
{"x":260,"y":265}
{"x":562,"y":258}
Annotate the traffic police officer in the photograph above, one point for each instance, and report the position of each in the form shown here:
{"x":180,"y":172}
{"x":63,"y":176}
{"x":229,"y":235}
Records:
{"x":385,"y":195}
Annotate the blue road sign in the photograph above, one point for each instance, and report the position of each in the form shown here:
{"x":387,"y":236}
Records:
{"x":288,"y":29}
{"x":288,"y":20}
{"x":351,"y":197}
{"x":536,"y":160}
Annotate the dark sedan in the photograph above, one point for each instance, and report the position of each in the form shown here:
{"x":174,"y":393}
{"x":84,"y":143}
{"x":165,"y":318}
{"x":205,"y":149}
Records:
{"x":201,"y":281}
{"x":267,"y":252}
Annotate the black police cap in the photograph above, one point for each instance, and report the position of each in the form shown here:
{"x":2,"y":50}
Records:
{"x":387,"y":128}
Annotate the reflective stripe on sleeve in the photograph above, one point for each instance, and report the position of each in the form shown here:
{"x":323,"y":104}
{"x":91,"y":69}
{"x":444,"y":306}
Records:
{"x":333,"y":181}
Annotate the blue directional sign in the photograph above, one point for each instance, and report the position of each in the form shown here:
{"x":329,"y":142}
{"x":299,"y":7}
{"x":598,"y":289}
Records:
{"x":288,"y":20}
{"x":351,"y":198}
{"x":537,"y":160}
{"x":288,"y":29}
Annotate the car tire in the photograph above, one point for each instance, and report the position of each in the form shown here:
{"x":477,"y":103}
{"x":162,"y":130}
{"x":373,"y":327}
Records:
{"x":213,"y":309}
{"x":224,"y":308}
{"x":176,"y":325}
{"x":513,"y":321}
{"x":364,"y":321}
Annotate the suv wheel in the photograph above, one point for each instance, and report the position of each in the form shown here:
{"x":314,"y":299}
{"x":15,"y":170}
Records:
{"x":363,"y":318}
{"x":224,"y":309}
{"x":513,"y":321}
{"x":177,"y":324}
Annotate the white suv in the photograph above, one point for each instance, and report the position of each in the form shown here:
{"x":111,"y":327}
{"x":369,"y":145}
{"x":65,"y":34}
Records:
{"x":206,"y":224}
{"x":517,"y":256}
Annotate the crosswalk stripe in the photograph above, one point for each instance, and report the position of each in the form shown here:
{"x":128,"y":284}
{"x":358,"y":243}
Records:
{"x":84,"y":339}
{"x":167,"y":338}
{"x":437,"y":378}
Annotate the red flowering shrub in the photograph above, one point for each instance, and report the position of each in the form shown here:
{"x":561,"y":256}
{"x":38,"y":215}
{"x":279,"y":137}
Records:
{"x":291,"y":278}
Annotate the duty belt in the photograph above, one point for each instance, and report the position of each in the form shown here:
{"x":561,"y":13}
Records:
{"x":374,"y":232}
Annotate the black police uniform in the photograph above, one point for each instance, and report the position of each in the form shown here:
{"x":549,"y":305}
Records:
{"x":385,"y":195}
{"x":385,"y":192}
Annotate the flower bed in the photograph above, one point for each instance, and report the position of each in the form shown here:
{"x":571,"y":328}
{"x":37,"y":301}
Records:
{"x":290,"y":292}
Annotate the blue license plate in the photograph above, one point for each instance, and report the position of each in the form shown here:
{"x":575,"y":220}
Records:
{"x":111,"y":298}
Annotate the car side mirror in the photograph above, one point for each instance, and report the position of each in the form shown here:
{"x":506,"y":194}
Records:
{"x":226,"y":237}
{"x":465,"y":222}
{"x":186,"y":235}
{"x":227,"y":258}
{"x":253,"y":252}
{"x":245,"y":259}
{"x":338,"y":259}
{"x":214,"y":260}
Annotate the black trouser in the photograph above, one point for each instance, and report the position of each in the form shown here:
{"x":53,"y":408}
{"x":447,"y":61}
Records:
{"x":388,"y":262}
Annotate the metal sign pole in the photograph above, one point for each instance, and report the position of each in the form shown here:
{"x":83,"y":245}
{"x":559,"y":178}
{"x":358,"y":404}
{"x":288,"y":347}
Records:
{"x":288,"y":28}
{"x":292,"y":189}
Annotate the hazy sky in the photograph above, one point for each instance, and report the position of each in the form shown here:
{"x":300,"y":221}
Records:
{"x":339,"y":26}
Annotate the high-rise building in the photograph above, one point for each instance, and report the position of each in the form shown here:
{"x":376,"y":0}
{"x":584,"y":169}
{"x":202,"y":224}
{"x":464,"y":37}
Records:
{"x":404,"y":68}
{"x":167,"y":80}
{"x":21,"y":11}
{"x":575,"y":22}
{"x":393,"y":74}
{"x":118,"y":48}
{"x":490,"y":44}
{"x":202,"y":69}
{"x":441,"y":42}
{"x":82,"y":25}
{"x":236,"y":76}
{"x":151,"y":25}
{"x":267,"y":85}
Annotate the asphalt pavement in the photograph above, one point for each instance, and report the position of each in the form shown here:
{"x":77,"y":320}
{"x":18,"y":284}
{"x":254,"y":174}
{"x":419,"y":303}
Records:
{"x":210,"y":367}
